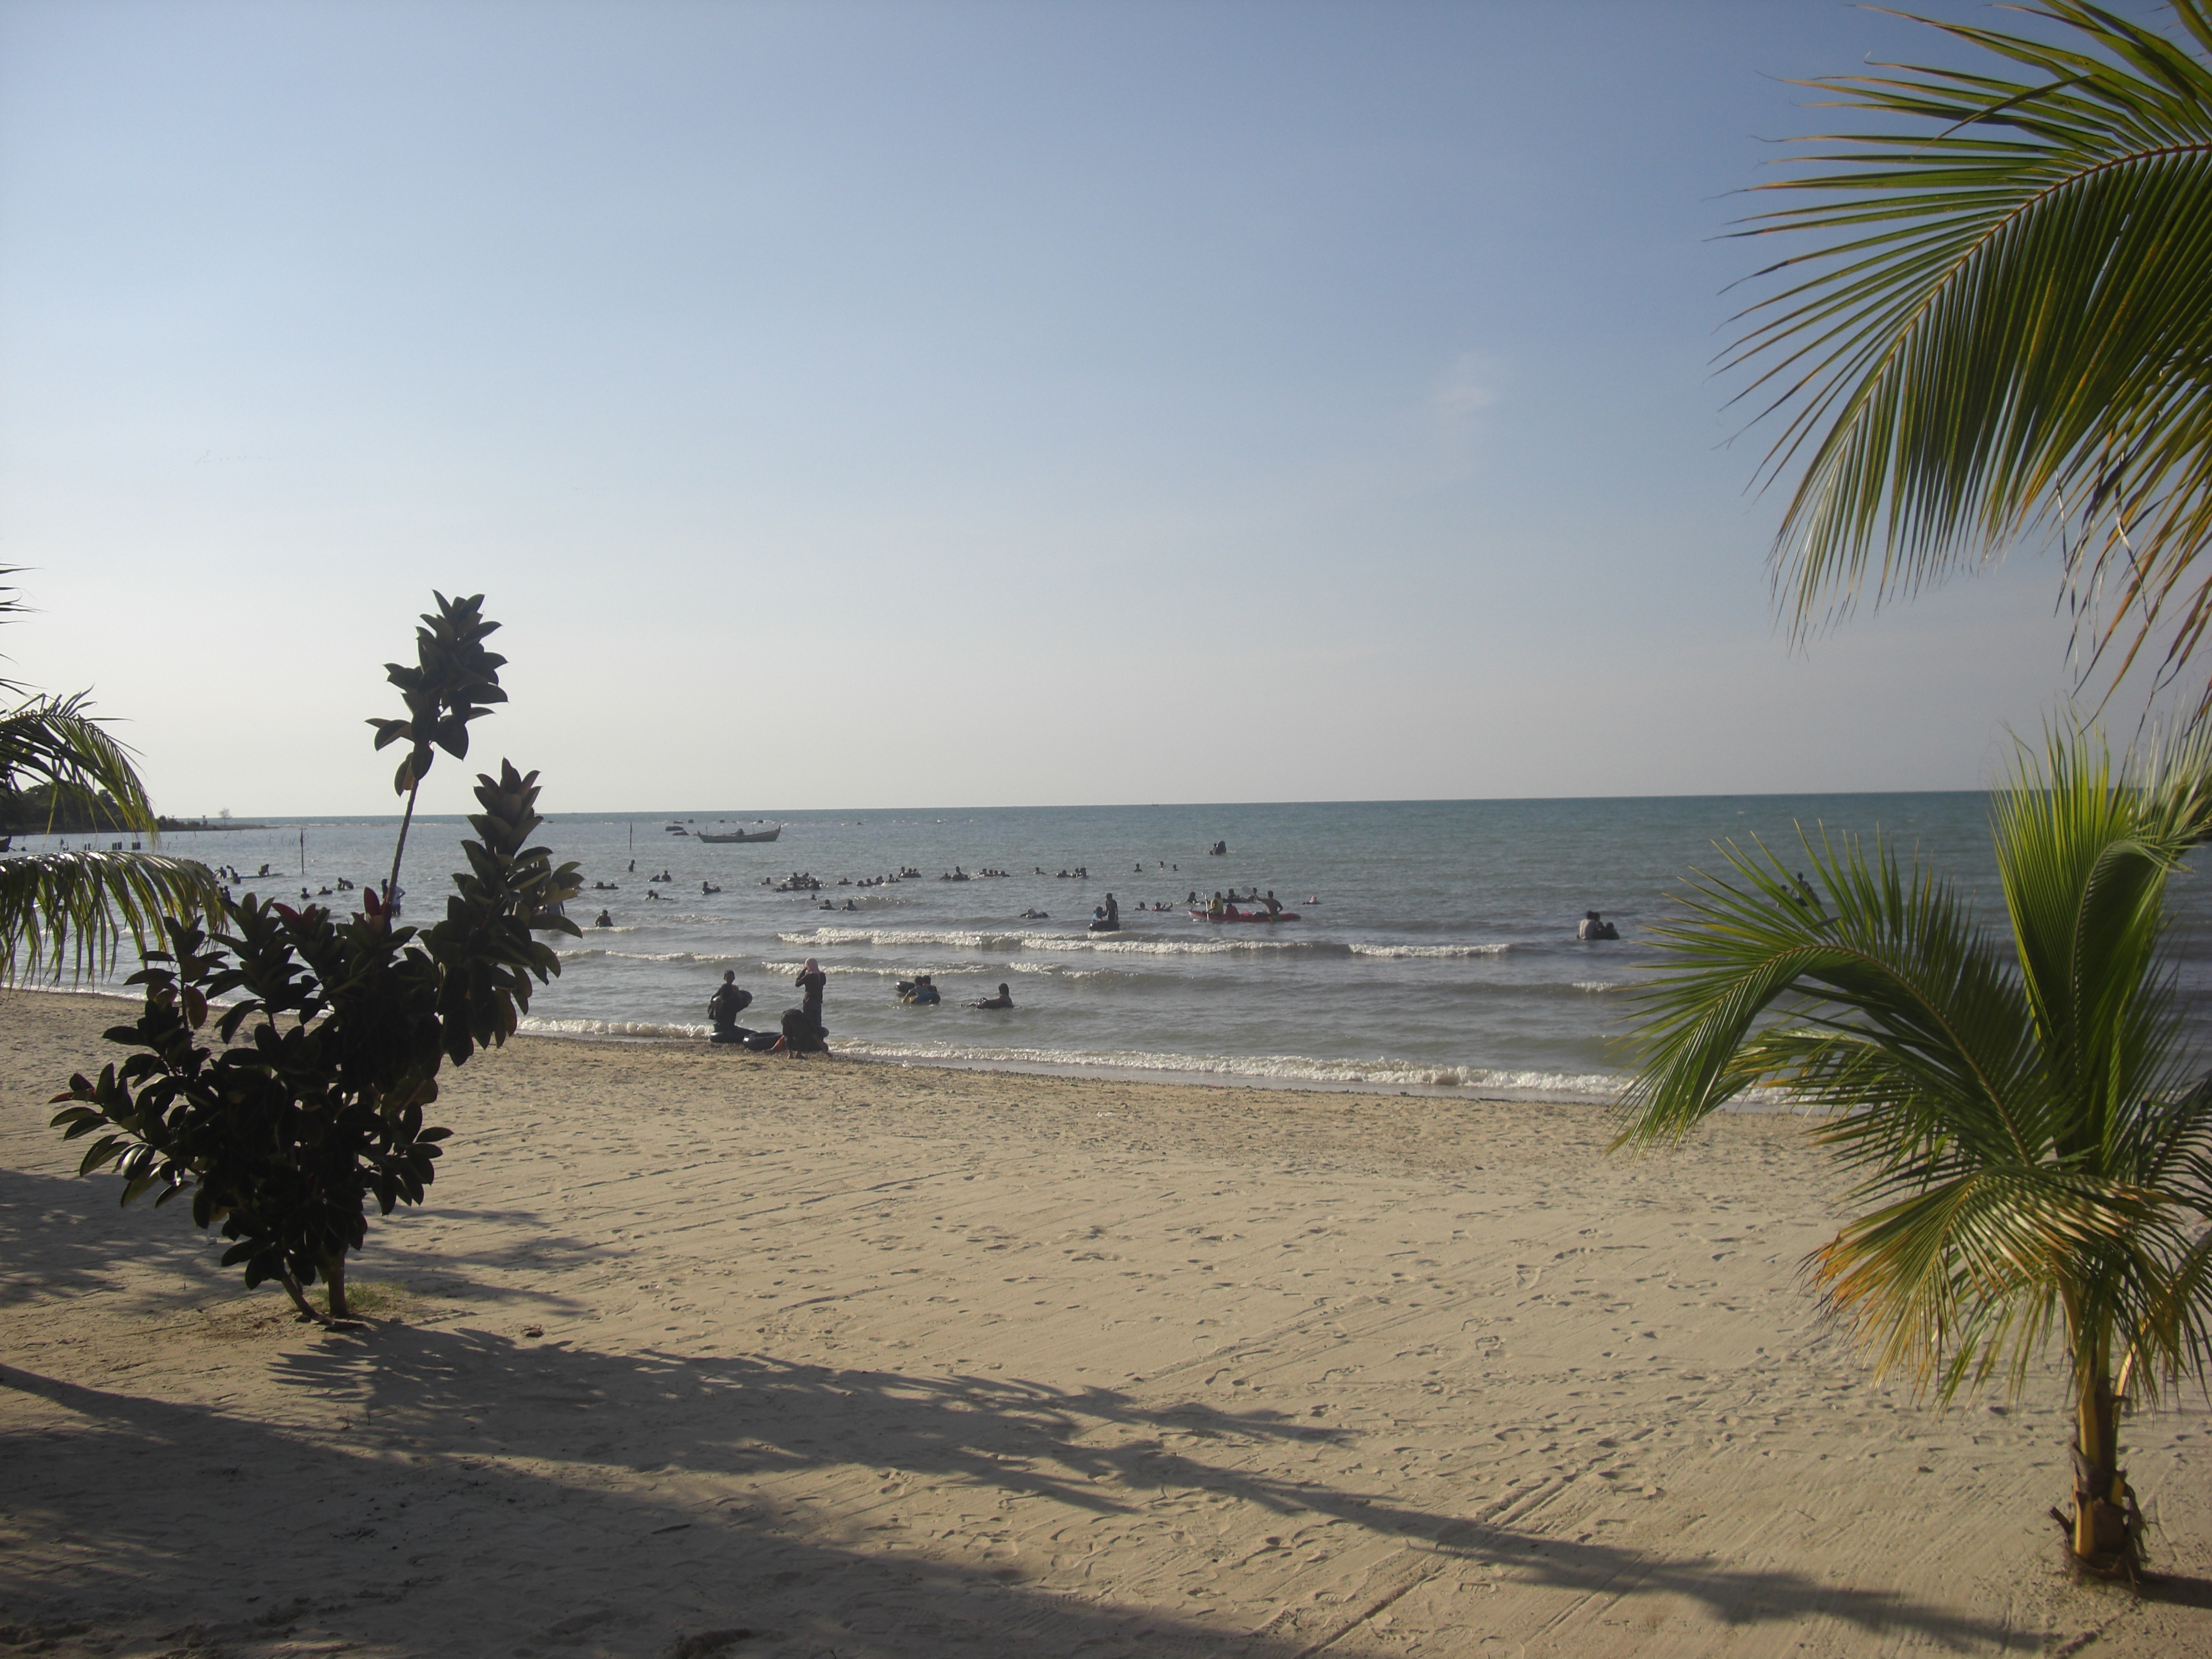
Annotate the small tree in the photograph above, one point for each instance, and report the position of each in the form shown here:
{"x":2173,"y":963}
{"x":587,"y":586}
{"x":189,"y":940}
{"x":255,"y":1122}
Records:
{"x":2029,"y":1117}
{"x":282,"y":1139}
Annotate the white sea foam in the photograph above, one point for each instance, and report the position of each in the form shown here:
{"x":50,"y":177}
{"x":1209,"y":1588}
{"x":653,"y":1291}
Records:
{"x":865,"y":970}
{"x":1429,"y":952}
{"x":1295,"y":1070}
{"x":1106,"y":943}
{"x":907,"y":970}
{"x":708,"y":958}
{"x":609,"y":1028}
{"x":1599,"y":986}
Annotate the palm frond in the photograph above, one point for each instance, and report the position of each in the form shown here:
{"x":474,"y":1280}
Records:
{"x":77,"y":908}
{"x":52,"y":740}
{"x":1882,"y":995}
{"x":2085,"y":853}
{"x":1950,"y":1282}
{"x":2171,"y":1334}
{"x":2007,"y":320}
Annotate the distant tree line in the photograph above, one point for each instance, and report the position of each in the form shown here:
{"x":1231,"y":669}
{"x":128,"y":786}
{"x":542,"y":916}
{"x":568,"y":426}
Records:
{"x":35,"y":812}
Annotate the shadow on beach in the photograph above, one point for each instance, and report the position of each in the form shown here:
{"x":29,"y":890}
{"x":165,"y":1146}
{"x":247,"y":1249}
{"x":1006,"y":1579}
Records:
{"x":52,"y":1247}
{"x":556,"y":1497}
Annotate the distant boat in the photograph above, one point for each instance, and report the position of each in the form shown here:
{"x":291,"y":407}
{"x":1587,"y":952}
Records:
{"x":769,"y":834}
{"x":677,"y":829}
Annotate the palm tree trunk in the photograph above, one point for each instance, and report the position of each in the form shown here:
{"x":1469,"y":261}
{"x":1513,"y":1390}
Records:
{"x":2100,"y":1517}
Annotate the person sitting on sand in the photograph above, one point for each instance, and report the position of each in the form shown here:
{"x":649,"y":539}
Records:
{"x":1004,"y":999}
{"x":728,"y":1002}
{"x":1595,"y":927}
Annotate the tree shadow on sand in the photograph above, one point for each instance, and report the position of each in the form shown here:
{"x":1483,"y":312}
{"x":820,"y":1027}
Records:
{"x":61,"y":1235}
{"x":1095,"y":1449}
{"x":427,"y":1488}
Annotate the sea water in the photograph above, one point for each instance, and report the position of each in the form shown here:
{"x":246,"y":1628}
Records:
{"x":1435,"y":948}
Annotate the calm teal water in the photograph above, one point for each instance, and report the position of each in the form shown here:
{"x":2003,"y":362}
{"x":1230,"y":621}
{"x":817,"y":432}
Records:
{"x":1436,"y":949}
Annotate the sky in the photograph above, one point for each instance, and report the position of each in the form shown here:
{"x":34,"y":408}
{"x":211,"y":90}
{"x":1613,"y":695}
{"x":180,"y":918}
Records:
{"x":864,"y":405}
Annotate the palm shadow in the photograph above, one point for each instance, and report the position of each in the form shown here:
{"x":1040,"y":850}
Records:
{"x":1097,"y":1449}
{"x":348,"y":1541}
{"x":459,"y":1434}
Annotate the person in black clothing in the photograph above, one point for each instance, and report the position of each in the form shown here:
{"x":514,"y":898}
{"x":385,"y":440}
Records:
{"x":803,"y":1029}
{"x":725,"y":1006}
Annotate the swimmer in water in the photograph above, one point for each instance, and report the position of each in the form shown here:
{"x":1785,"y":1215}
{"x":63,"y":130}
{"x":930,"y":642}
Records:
{"x":1004,"y":999}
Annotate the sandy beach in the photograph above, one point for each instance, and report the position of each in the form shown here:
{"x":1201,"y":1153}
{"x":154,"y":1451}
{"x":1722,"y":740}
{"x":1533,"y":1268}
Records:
{"x":868,"y":1359}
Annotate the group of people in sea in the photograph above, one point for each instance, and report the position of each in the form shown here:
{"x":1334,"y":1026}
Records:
{"x":920,"y":992}
{"x":1221,"y":909}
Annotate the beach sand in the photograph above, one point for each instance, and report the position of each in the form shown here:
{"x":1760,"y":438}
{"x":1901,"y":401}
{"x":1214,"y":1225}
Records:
{"x":877,"y":1360}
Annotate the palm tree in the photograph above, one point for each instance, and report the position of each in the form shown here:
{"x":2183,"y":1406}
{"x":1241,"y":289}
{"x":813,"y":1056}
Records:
{"x":77,"y":905}
{"x":2033,"y":1142}
{"x":2006,"y":329}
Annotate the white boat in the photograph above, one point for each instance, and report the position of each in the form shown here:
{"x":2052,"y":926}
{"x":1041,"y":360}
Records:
{"x":743,"y":834}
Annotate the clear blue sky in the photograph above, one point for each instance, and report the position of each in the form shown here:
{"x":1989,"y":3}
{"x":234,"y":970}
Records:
{"x":864,"y":404}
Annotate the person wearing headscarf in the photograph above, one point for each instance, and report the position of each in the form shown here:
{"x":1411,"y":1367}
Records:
{"x":812,"y":982}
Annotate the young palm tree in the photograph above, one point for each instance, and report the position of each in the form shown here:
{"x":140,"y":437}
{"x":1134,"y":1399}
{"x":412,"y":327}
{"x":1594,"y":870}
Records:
{"x":2006,"y":327}
{"x":2034,"y":1140}
{"x":78,"y":906}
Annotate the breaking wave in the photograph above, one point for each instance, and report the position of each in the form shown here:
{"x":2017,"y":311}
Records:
{"x":1122,"y":943}
{"x":1429,"y":953}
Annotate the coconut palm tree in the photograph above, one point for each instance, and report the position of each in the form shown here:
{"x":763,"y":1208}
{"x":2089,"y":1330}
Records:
{"x":2033,"y":1136}
{"x":2005,"y":329}
{"x":77,"y":905}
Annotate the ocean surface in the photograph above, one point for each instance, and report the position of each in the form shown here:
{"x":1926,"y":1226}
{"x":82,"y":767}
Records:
{"x":1435,"y":952}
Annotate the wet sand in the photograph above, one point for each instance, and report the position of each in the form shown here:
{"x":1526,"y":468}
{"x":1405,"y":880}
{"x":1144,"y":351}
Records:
{"x":871,"y":1360}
